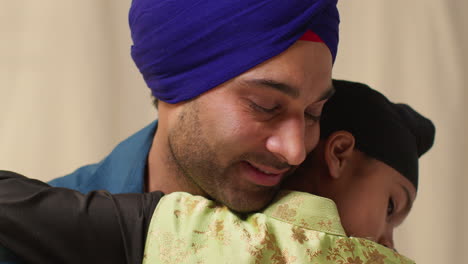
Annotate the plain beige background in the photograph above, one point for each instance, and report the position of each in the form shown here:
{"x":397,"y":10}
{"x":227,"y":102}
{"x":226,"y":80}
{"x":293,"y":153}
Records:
{"x":69,"y":93}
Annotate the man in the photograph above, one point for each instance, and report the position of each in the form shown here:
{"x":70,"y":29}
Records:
{"x":239,"y":98}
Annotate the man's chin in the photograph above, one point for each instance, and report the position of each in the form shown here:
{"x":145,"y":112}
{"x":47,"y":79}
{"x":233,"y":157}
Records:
{"x":248,"y":202}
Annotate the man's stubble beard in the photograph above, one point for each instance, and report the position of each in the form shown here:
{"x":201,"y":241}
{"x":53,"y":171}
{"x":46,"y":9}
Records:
{"x":184,"y":140}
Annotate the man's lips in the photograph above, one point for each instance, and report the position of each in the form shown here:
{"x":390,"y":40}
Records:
{"x":263,"y":175}
{"x":269,"y":170}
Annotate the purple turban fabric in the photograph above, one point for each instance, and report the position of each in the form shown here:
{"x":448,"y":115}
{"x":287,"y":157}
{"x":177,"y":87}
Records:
{"x":184,"y":48}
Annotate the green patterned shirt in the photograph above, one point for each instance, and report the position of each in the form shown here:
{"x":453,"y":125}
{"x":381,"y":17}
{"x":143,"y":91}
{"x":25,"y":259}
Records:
{"x":296,"y":228}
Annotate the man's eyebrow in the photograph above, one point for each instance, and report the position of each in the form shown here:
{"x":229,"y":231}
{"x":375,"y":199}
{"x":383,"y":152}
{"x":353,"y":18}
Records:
{"x":288,"y":89}
{"x":327,"y":94}
{"x":279,"y":86}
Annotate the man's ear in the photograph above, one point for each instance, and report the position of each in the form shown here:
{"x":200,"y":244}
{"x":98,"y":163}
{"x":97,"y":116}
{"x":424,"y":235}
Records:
{"x":339,"y":148}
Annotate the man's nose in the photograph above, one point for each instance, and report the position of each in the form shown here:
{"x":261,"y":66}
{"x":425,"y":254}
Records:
{"x":287,"y":141}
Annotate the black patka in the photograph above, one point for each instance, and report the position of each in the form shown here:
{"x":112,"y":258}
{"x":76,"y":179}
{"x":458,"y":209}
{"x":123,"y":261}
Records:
{"x":393,"y":133}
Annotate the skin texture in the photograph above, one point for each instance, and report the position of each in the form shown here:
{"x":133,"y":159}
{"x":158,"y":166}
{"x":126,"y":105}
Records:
{"x":218,"y":144}
{"x":372,"y":197}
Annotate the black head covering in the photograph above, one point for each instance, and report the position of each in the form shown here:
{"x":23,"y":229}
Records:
{"x":392,"y":133}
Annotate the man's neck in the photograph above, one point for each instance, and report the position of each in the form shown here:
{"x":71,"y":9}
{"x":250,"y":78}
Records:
{"x":159,"y":176}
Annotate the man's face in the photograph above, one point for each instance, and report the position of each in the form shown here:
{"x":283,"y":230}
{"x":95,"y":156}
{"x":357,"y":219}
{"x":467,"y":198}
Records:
{"x":238,"y":141}
{"x":372,"y":198}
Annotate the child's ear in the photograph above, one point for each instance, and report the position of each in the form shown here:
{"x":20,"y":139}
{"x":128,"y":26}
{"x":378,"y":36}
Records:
{"x":339,"y":148}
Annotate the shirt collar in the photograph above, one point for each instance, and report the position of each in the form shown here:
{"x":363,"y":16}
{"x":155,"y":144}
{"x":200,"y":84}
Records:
{"x":124,"y":170}
{"x":307,"y":211}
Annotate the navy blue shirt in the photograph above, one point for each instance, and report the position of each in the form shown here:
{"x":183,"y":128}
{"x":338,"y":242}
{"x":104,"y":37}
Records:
{"x":123,"y":171}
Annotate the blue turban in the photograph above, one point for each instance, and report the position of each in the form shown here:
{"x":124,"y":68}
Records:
{"x":184,"y":48}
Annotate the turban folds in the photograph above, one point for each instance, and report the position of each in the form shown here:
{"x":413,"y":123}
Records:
{"x":393,"y":133}
{"x":186,"y":47}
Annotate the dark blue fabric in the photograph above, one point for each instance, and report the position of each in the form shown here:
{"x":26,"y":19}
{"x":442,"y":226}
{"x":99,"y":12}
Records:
{"x":186,"y":47}
{"x":122,"y":171}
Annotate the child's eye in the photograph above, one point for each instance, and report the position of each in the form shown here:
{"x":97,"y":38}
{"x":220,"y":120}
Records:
{"x":390,"y":207}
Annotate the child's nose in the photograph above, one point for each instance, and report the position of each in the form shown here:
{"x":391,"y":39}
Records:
{"x":387,"y":239}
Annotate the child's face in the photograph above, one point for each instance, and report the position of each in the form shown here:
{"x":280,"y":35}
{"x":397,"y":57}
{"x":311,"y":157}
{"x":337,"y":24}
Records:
{"x":372,"y":197}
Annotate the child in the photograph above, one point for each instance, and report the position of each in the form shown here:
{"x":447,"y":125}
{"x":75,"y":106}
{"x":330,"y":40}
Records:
{"x":366,"y":163}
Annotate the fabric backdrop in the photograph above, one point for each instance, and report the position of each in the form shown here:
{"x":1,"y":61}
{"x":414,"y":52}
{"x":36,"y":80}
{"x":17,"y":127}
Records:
{"x":69,"y":93}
